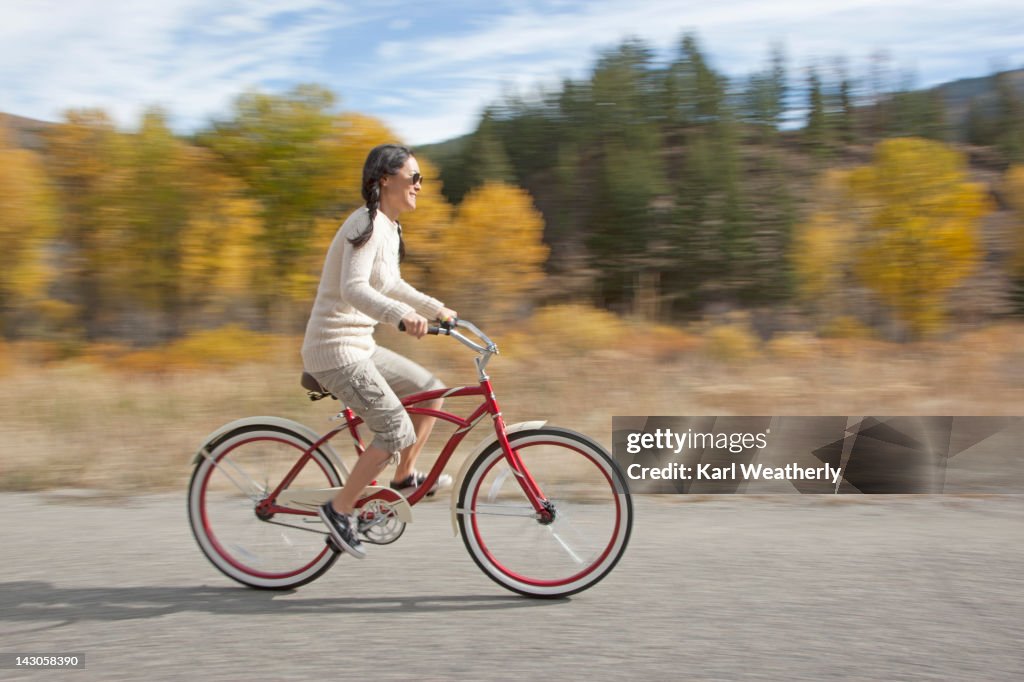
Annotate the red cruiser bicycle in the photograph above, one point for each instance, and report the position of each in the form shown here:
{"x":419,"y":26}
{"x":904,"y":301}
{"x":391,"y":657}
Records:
{"x":543,"y":511}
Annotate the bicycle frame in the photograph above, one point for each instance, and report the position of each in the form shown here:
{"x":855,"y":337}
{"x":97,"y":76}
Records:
{"x":489,"y":406}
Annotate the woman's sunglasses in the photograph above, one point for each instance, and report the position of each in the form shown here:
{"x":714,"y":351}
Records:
{"x":416,"y":177}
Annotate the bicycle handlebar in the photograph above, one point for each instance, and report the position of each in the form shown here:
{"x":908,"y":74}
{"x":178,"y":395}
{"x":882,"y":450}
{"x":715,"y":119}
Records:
{"x":449,"y":329}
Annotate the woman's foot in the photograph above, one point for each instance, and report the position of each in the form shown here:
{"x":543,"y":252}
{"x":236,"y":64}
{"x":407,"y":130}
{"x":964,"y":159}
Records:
{"x":410,"y":483}
{"x":342,"y":529}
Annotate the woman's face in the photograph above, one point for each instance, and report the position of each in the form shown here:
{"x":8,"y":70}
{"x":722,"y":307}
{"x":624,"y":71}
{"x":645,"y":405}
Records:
{"x":399,"y":190}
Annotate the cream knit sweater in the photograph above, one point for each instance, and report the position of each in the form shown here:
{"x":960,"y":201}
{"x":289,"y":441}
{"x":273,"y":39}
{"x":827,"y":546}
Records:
{"x":359,"y":287}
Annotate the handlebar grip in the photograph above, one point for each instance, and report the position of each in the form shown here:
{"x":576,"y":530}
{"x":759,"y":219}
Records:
{"x":431,"y":329}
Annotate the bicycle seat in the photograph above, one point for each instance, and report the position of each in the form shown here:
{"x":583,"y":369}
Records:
{"x":313,"y":387}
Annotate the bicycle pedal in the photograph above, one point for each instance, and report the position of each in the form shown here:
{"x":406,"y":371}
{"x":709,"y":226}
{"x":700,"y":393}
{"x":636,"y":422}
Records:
{"x":333,"y":545}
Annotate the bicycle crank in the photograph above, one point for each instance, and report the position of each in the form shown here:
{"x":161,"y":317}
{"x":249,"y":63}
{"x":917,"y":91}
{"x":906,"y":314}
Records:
{"x":379,"y":523}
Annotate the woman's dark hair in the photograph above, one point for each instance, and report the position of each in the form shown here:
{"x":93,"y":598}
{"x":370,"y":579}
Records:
{"x":384,"y":159}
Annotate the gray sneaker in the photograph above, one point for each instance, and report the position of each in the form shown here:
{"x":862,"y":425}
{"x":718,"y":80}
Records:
{"x":342,"y":529}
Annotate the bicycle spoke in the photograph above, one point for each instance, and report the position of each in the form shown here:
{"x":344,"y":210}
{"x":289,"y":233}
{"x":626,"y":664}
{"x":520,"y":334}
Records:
{"x":248,"y":556}
{"x":499,"y":483}
{"x":575,"y":557}
{"x":254,"y":496}
{"x":288,"y":525}
{"x":495,"y":510}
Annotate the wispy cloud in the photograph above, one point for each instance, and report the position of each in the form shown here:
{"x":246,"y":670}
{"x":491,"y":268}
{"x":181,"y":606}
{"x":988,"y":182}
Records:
{"x":123,"y":55}
{"x":429,"y":69}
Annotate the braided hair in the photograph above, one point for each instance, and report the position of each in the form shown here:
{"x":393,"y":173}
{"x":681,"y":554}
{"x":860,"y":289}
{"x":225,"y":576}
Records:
{"x":385,"y":159}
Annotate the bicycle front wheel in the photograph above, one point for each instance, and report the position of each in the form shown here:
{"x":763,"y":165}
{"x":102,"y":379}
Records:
{"x":237,"y":472}
{"x":569,"y":550}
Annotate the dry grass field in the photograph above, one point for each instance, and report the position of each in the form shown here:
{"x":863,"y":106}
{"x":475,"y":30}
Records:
{"x":128,"y":424}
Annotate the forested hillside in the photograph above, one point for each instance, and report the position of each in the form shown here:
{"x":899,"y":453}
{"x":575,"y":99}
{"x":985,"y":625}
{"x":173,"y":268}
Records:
{"x":821,"y":198}
{"x":669,"y":190}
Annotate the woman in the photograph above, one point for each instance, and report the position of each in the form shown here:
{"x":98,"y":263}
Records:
{"x":361,"y":286}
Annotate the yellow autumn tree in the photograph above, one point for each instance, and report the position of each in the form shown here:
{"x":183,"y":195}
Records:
{"x":188,"y":233}
{"x":822,"y":247}
{"x":85,"y":158}
{"x":489,"y":261}
{"x":152,"y":224}
{"x":220,"y":255}
{"x":917,"y":215}
{"x":291,"y":150}
{"x":905,"y":226}
{"x":28,"y":221}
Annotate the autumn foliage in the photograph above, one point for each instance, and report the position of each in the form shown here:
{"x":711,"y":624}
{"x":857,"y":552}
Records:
{"x":28,"y":221}
{"x":905,"y":227}
{"x":148,"y":237}
{"x":490,"y":257}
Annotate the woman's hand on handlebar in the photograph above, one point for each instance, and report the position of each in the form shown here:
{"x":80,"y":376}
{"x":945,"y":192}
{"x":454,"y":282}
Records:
{"x":447,"y":315}
{"x":415,"y":324}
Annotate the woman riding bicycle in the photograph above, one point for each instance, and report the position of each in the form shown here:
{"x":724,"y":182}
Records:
{"x":361,"y":285}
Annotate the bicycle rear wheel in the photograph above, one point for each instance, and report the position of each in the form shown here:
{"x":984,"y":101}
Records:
{"x":239,"y":470}
{"x":539,"y":557}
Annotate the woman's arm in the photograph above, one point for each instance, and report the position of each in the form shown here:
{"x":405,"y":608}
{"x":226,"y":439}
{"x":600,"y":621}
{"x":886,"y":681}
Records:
{"x":358,"y":292}
{"x":425,"y":305}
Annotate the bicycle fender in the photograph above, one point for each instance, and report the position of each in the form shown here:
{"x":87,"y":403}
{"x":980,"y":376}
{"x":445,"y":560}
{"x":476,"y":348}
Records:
{"x":295,"y":426}
{"x":481,"y":446}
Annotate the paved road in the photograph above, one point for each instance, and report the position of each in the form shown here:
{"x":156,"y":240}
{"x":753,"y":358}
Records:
{"x":783,"y":588}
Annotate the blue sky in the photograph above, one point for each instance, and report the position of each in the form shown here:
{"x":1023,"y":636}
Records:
{"x":427,"y":68}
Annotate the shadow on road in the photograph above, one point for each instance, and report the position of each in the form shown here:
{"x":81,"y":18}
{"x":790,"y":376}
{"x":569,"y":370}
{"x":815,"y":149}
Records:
{"x":32,"y":601}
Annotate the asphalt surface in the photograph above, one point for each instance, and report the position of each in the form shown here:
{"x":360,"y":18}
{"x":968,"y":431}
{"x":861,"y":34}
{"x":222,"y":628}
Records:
{"x":787,"y":587}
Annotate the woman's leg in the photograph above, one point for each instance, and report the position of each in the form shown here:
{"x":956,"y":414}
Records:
{"x":374,"y":460}
{"x":407,"y":377}
{"x":368,"y":466}
{"x":424,"y":424}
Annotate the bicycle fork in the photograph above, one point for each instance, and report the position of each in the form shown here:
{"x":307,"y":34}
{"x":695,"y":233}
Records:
{"x":544,"y":509}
